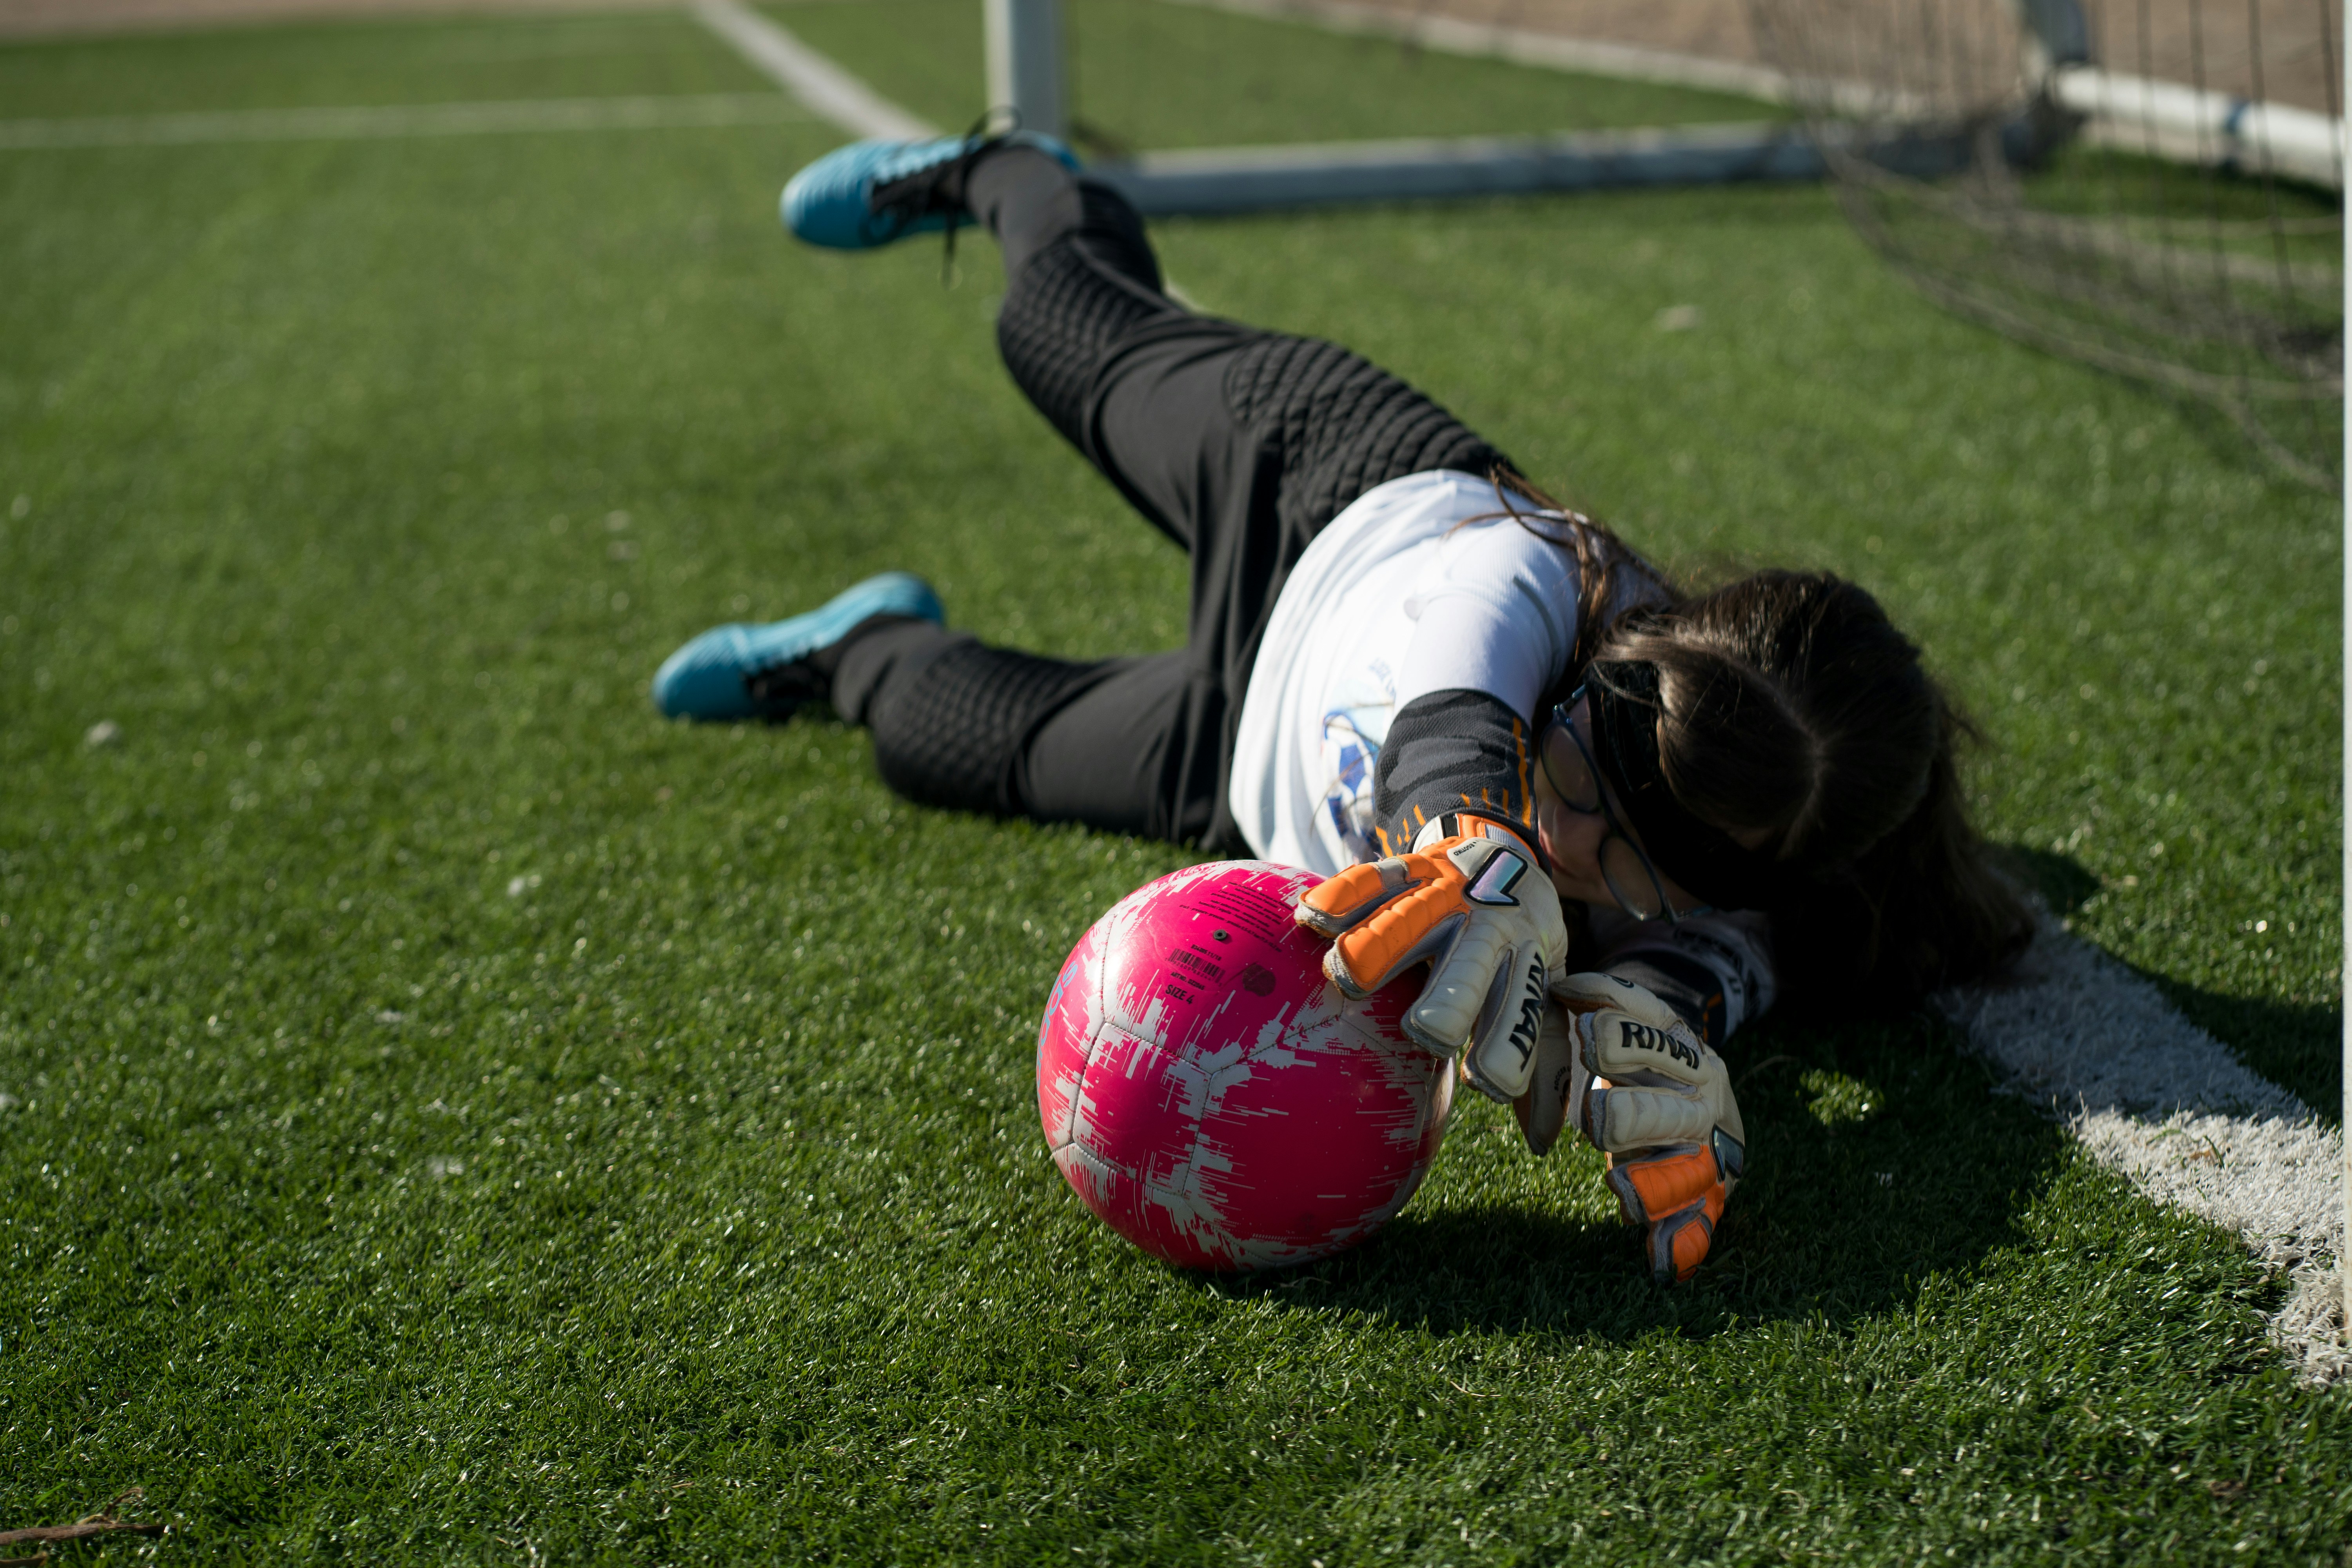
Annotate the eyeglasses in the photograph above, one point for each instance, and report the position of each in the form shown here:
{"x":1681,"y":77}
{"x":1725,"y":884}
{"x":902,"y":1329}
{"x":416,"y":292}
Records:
{"x":1567,"y":765}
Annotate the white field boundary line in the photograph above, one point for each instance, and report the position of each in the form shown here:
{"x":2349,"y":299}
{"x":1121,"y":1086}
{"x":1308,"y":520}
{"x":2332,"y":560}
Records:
{"x":828,"y":91}
{"x":399,"y":121}
{"x":2160,"y":1101}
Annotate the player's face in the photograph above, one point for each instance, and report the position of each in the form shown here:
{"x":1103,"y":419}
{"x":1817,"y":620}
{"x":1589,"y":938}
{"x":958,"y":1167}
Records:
{"x":1595,"y":853}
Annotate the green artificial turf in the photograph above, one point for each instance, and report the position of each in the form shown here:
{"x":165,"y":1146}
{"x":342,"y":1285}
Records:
{"x":336,"y":65}
{"x":1144,"y":75}
{"x":448,"y":1114}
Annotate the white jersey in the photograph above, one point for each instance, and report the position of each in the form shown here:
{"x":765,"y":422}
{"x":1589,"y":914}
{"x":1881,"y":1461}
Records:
{"x":1426,"y":584}
{"x":1423,"y":584}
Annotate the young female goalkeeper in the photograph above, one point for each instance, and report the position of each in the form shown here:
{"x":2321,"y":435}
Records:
{"x":1514,"y":750}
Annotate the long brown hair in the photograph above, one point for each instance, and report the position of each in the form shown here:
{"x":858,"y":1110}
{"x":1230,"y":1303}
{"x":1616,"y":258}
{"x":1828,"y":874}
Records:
{"x":1793,"y":711}
{"x":1611,"y":579}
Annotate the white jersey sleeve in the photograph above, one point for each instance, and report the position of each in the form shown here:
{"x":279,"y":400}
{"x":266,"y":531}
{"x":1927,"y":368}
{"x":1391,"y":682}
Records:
{"x":1425,"y":583}
{"x":1494,"y":611}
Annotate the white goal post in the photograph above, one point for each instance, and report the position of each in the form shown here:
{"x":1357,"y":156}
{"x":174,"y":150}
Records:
{"x":1026,"y":70}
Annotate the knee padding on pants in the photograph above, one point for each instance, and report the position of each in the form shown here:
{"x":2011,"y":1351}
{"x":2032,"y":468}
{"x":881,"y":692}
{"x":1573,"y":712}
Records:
{"x":1342,"y":425}
{"x":949,"y":729}
{"x":1072,"y":301}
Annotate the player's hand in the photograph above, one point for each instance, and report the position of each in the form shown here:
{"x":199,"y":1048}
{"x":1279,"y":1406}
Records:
{"x":1476,"y":908}
{"x":1640,"y":1083}
{"x":1543,"y":1109}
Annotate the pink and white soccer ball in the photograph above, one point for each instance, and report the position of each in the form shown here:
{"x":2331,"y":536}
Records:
{"x":1212,"y":1097}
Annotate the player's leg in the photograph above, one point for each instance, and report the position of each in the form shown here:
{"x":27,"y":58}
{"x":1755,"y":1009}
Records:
{"x":1127,"y":745}
{"x":1214,"y":430}
{"x":1241,"y":444}
{"x":768,"y":671}
{"x":1203,"y":423}
{"x":1130,"y":745}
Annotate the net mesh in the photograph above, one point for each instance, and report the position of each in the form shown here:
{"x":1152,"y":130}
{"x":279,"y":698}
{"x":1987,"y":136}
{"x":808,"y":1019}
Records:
{"x":2151,"y":187}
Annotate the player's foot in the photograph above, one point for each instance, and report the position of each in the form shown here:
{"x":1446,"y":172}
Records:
{"x":762,"y":672}
{"x":871,"y":192}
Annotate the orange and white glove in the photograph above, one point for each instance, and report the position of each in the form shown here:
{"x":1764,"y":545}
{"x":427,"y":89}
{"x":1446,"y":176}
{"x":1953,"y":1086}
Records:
{"x":1479,"y":910}
{"x":1625,"y":1070}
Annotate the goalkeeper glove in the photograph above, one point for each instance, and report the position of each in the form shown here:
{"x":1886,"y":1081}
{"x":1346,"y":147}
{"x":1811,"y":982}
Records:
{"x":1478,"y":909}
{"x":1634,"y":1078}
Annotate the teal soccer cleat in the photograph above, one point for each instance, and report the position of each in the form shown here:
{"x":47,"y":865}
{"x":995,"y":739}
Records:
{"x":870,"y":193}
{"x":758,"y":672}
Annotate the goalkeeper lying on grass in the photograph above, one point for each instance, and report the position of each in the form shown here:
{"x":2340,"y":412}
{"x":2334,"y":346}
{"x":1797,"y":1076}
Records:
{"x":1615,"y":820}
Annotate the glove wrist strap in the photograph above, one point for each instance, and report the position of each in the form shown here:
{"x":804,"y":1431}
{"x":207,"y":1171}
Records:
{"x":1467,"y":823}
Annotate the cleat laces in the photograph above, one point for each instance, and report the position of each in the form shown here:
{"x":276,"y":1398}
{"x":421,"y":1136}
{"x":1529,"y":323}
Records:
{"x":946,"y":183}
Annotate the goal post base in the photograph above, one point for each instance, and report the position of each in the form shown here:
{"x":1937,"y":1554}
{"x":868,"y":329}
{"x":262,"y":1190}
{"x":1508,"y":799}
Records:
{"x":1255,"y":179}
{"x":1212,"y":180}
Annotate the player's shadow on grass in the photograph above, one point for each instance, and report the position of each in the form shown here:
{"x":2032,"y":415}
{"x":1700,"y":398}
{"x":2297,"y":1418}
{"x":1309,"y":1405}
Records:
{"x":1879,"y":1157}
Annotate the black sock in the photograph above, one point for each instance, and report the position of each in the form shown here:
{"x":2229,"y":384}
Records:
{"x":1024,"y":197}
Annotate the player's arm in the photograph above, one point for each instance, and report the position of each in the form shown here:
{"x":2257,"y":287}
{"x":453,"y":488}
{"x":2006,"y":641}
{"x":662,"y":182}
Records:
{"x":1453,"y":752}
{"x":1493,"y":626}
{"x":1472,"y":903}
{"x":1715,"y":970}
{"x":1462,"y":885}
{"x":1463,"y":888}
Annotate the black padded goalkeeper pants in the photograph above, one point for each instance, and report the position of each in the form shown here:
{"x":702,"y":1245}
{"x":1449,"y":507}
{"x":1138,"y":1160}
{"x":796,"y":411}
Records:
{"x":1238,"y":444}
